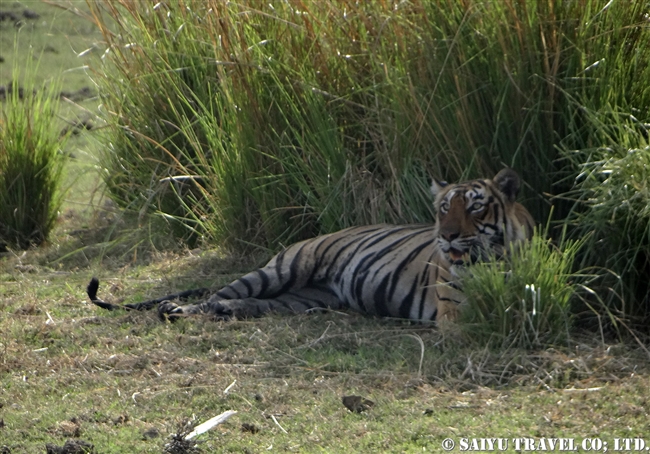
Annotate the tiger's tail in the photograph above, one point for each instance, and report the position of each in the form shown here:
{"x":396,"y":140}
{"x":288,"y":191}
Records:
{"x":93,"y":286}
{"x":91,"y":290}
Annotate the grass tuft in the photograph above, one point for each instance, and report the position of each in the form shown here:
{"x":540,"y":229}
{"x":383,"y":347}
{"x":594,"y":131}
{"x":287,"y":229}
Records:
{"x":524,"y":301}
{"x":613,"y":189}
{"x":31,"y":163}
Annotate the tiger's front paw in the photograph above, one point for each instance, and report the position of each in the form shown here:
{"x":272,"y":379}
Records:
{"x":169,"y":311}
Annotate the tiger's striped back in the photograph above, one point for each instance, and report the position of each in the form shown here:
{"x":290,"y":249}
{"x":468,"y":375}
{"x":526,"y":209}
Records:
{"x":383,"y":270}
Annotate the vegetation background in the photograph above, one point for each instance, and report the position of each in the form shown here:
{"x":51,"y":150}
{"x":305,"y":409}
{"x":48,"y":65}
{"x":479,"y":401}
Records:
{"x":263,"y":124}
{"x":251,"y":125}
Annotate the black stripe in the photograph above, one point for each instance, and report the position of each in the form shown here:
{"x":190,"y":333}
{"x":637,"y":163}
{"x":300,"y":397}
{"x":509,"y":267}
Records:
{"x":264,"y":284}
{"x":358,"y":291}
{"x":361,"y":272}
{"x":249,"y":288}
{"x":403,"y":264}
{"x":396,"y":244}
{"x":496,"y":213}
{"x":380,"y":298}
{"x":228,"y":292}
{"x":366,"y":242}
{"x":355,"y":241}
{"x":322,"y":255}
{"x":377,"y":255}
{"x":279,"y":259}
{"x":440,"y":298}
{"x":424,"y":285}
{"x":447,"y":299}
{"x":405,"y":307}
{"x":294,"y":269}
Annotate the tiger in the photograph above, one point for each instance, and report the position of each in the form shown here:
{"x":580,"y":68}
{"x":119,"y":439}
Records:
{"x":398,"y":271}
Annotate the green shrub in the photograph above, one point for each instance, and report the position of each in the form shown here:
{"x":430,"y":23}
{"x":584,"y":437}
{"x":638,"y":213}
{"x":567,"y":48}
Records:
{"x":524,"y":301}
{"x":614,"y":194}
{"x":31,"y":162}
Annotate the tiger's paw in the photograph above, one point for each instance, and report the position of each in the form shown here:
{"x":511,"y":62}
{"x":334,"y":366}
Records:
{"x":169,"y":311}
{"x":218,"y":311}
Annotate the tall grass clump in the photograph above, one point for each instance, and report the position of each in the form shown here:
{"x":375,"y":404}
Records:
{"x":525,"y":300}
{"x":607,"y":151}
{"x":613,"y":213}
{"x":31,"y":164}
{"x":328,"y":114}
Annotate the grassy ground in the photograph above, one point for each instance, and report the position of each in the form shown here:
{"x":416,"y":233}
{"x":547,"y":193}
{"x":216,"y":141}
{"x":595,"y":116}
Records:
{"x":58,"y":35}
{"x":125,"y":381}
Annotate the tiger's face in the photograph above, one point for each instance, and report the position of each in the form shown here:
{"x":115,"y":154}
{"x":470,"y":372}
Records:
{"x":479,"y":218}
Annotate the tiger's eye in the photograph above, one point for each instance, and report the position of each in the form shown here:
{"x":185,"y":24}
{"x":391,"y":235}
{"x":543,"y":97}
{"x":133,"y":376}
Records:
{"x":477,"y":206}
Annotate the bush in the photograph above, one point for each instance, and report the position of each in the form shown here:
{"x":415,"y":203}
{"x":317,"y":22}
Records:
{"x":31,"y":162}
{"x":613,"y":188}
{"x":524,"y":301}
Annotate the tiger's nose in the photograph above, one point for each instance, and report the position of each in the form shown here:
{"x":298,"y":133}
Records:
{"x":450,"y":236}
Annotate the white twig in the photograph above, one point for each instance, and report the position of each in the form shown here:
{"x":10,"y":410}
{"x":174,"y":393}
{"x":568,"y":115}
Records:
{"x":583,"y":390}
{"x":210,"y":423}
{"x":181,"y":178}
{"x":278,"y":424}
{"x":227,"y":390}
{"x":421,"y":342}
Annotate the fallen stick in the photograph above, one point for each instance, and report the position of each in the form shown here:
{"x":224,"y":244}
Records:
{"x":210,"y":423}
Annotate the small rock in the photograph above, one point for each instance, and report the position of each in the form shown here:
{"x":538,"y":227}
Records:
{"x":252,"y":428}
{"x":29,"y":14}
{"x":70,"y":428}
{"x":357,"y":404}
{"x":150,"y":433}
{"x":120,"y":420}
{"x":70,"y":447}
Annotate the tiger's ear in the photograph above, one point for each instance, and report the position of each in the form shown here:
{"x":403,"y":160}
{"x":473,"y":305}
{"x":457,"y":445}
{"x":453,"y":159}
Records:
{"x":437,"y":186}
{"x":508,"y":182}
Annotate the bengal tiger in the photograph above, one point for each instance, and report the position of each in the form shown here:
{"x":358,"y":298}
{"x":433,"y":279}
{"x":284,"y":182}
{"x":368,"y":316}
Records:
{"x":404,"y":271}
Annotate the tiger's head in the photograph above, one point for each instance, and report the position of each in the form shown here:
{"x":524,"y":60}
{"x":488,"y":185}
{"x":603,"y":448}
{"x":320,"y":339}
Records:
{"x":480,"y":217}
